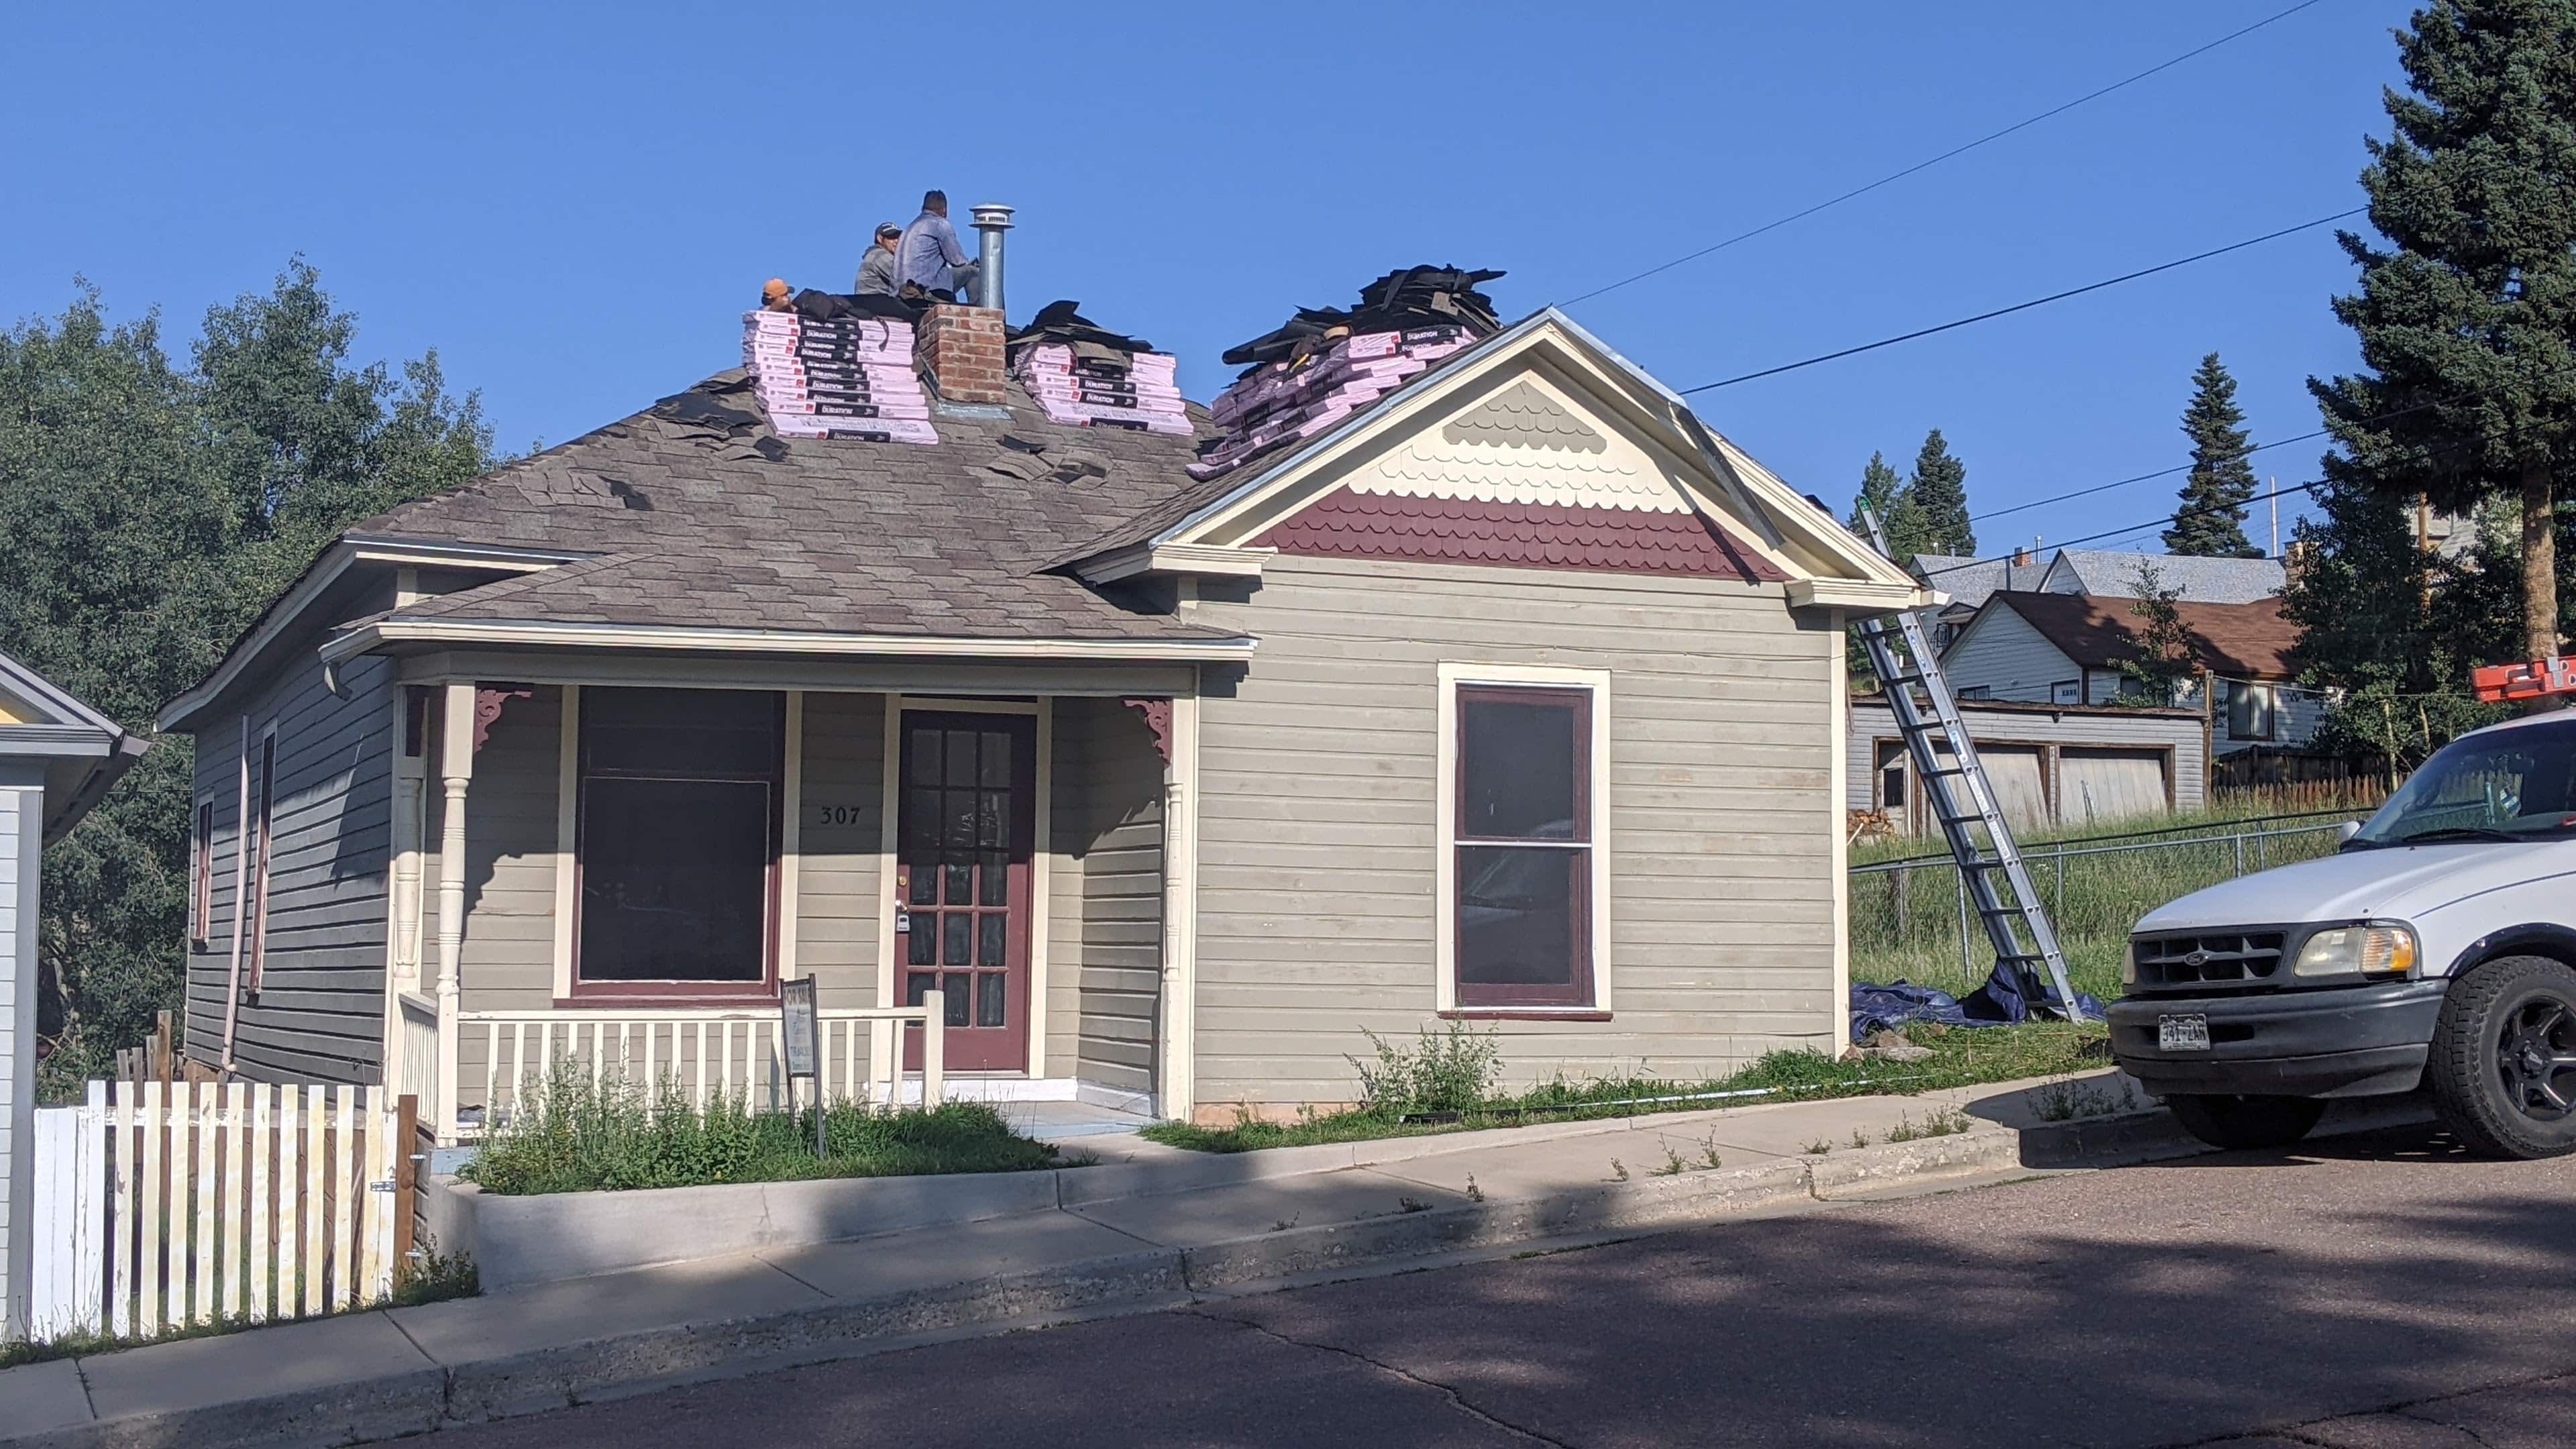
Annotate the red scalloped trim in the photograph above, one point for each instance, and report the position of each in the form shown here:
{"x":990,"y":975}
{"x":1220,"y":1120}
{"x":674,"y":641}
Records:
{"x":1344,"y":524}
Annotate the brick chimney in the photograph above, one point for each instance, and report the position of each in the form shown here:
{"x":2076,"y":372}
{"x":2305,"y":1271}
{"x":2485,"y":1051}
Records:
{"x":959,"y":352}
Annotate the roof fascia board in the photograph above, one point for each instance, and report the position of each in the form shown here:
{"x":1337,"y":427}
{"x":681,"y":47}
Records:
{"x":53,"y":699}
{"x":1196,"y":559}
{"x":380,"y":633}
{"x":345,"y":553}
{"x":1876,"y":596}
{"x":59,"y":741}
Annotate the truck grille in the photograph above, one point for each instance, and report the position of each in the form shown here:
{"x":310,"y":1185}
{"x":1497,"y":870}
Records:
{"x":2205,"y":958}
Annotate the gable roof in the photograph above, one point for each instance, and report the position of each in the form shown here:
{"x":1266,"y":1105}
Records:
{"x":80,"y":751}
{"x":2195,"y":580}
{"x":2241,"y":641}
{"x":1756,"y":499}
{"x":1968,"y":581}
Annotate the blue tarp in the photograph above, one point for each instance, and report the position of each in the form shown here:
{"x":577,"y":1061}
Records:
{"x":1997,"y":1003}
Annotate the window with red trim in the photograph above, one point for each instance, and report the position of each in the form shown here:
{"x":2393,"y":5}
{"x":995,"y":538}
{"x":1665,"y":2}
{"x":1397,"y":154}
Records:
{"x":201,"y":875}
{"x":1523,"y":837}
{"x":263,"y":806}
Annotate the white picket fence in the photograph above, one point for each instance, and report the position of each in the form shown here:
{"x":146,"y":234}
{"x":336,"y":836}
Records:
{"x":163,"y":1205}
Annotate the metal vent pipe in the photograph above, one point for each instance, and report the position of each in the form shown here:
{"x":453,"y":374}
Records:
{"x":991,"y":220}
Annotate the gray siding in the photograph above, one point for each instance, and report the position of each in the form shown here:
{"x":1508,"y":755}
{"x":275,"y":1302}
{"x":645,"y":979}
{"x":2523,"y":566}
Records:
{"x":319,"y":1014}
{"x":1108,"y":921}
{"x":2008,"y":658}
{"x":1317,"y":803}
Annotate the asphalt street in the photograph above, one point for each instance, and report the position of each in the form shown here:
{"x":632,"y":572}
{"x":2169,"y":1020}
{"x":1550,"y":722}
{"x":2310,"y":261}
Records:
{"x":2378,"y":1292}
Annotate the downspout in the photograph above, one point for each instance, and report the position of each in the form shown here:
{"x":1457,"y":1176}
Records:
{"x":241,"y":889}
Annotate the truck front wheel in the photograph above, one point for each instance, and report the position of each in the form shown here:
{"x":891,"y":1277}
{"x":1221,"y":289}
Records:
{"x":2503,"y":1068}
{"x":2236,"y":1122}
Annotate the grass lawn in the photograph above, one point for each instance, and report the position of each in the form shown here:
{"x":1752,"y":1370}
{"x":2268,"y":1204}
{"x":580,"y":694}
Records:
{"x":1959,"y":1059}
{"x":577,"y":1136}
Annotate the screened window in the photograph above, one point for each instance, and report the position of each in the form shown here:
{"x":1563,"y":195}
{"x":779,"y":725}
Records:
{"x":201,"y":874}
{"x":2250,"y":710}
{"x":678,"y":838}
{"x":1523,"y":847}
{"x":263,"y":806}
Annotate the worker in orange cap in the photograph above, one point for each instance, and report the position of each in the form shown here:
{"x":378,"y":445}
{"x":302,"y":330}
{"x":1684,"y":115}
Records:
{"x":774,"y":296}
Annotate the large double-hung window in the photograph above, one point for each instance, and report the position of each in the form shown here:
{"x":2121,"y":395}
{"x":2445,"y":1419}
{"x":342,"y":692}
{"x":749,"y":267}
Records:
{"x":1524,"y":814}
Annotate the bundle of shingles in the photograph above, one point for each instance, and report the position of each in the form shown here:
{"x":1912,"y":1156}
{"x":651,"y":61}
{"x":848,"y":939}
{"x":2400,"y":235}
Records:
{"x":838,"y":368}
{"x":1327,"y":363}
{"x":1081,"y":373}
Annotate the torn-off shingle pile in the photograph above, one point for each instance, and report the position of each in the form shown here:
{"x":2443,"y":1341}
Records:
{"x":1081,"y":373}
{"x":846,"y":376}
{"x":1327,"y":364}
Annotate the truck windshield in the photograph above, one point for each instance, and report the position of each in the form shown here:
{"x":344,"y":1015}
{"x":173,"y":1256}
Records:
{"x":2507,"y":785}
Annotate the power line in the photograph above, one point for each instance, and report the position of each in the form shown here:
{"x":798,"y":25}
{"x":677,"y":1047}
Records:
{"x":2129,"y":528}
{"x":1991,"y":136}
{"x":2034,"y":302}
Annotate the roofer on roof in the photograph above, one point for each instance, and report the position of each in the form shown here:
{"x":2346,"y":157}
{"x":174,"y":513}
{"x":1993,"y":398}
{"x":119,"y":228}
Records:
{"x":876,"y":269}
{"x":928,"y":257}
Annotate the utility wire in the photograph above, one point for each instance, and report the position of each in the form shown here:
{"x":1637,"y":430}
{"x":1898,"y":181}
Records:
{"x":2128,"y":528}
{"x":2034,"y":302}
{"x":1991,"y":136}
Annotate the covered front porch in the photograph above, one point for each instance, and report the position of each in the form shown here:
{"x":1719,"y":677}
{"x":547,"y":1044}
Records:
{"x":608,"y":863}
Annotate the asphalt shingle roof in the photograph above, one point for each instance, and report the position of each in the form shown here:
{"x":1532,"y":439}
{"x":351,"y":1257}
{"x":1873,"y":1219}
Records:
{"x":2241,"y":641}
{"x":2196,"y":580}
{"x":701,"y":515}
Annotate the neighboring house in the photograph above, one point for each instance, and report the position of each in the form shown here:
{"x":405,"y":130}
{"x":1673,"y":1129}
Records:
{"x":1968,"y":582}
{"x":2058,"y":648}
{"x":57,"y":757}
{"x":2049,"y":764}
{"x":2192,"y":580}
{"x":1516,"y":699}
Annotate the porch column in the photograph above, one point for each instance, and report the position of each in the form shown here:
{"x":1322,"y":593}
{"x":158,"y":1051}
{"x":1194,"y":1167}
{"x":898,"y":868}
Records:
{"x":1176,"y":1083}
{"x":410,"y":806}
{"x":456,"y":768}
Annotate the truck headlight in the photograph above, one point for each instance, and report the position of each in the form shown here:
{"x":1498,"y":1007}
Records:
{"x":2129,"y":965}
{"x":2371,"y":950}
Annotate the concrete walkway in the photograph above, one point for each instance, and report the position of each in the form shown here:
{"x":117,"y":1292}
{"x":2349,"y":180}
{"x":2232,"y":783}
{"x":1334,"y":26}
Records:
{"x":1147,"y":1227}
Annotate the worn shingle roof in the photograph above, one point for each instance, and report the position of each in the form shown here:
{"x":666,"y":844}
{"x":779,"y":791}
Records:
{"x":2242,"y":641}
{"x":702,"y":516}
{"x":1969,"y":580}
{"x":2196,"y":580}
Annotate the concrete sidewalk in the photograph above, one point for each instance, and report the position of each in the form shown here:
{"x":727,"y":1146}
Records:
{"x":1147,"y":1227}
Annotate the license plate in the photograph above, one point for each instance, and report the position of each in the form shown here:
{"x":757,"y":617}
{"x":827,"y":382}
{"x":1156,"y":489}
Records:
{"x":2182,"y":1033}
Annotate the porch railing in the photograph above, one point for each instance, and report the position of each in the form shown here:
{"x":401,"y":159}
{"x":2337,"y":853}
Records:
{"x":703,"y":1053}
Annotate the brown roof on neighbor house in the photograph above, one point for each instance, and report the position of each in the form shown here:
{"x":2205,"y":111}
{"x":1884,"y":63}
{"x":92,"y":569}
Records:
{"x":700,"y":514}
{"x":2243,"y":641}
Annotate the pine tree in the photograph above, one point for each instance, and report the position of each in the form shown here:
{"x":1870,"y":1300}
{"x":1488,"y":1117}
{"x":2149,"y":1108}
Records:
{"x":1937,"y":498}
{"x":1882,"y":490}
{"x":2467,"y":324}
{"x":2211,"y":521}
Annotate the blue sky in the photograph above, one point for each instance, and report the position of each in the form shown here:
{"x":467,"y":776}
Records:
{"x":574,"y":204}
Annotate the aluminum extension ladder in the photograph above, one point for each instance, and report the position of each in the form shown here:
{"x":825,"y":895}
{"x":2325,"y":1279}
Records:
{"x":1997,"y":884}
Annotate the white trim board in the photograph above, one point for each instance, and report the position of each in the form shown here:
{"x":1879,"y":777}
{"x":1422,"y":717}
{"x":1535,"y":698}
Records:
{"x":1444,"y":926}
{"x":368,"y":637}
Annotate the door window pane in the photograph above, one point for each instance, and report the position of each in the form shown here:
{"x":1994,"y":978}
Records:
{"x":996,"y":772}
{"x":652,"y":910}
{"x":961,"y":757}
{"x":1520,"y":919}
{"x":961,"y":884}
{"x":1520,"y":766}
{"x":956,"y":989}
{"x":925,"y":757}
{"x":993,"y":938}
{"x":956,"y":937}
{"x":990,"y":989}
{"x":921,"y":943}
{"x":997,"y":880}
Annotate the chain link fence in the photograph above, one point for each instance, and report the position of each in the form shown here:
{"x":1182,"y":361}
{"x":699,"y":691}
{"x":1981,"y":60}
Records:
{"x":1911,"y":919}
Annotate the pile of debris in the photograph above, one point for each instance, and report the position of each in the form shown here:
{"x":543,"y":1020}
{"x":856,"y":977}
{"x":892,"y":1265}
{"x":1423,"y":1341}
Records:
{"x":838,"y":371}
{"x":1327,"y":363}
{"x":1083,"y":374}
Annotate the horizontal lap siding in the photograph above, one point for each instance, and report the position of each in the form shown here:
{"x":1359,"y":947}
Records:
{"x":320,"y":1011}
{"x":1318,"y":799}
{"x":1068,"y":833}
{"x":839,"y":886}
{"x":17,"y":1026}
{"x":2009,"y":659}
{"x":508,"y":960}
{"x":1121,"y":852}
{"x":1872,"y":725}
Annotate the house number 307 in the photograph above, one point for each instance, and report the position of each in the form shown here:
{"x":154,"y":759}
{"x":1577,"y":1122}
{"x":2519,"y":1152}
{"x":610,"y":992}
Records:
{"x":836,"y":814}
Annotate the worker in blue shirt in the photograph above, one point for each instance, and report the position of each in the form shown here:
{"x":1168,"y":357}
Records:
{"x":929,"y":258}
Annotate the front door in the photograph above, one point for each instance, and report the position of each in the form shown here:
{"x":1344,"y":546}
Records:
{"x":966,"y":833}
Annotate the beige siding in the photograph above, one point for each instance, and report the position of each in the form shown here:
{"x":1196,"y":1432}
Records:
{"x":838,"y":885}
{"x":509,"y":955}
{"x":1068,"y":836}
{"x":1109,"y":793}
{"x":1318,"y":797}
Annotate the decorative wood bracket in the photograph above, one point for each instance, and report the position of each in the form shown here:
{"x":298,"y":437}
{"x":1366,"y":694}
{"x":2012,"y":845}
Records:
{"x":1157,"y":711}
{"x":488,"y":699}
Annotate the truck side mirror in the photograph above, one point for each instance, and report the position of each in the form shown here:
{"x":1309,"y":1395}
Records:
{"x":2346,"y":831}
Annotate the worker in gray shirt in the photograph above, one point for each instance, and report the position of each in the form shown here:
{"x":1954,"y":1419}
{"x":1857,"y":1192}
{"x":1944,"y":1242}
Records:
{"x":928,"y":257}
{"x":876,"y":269}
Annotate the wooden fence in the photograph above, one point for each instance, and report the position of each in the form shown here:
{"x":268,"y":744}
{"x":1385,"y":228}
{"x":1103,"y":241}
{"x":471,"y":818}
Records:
{"x":159,"y":1206}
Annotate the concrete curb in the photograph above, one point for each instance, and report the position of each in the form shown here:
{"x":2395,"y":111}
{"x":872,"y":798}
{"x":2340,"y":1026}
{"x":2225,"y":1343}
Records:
{"x":506,"y":1385}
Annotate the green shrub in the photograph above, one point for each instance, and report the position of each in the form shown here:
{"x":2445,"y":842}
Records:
{"x":579,"y":1134}
{"x":1452,"y":1072}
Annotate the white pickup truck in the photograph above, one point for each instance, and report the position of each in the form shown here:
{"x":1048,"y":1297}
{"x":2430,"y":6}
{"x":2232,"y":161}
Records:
{"x":2436,"y":950}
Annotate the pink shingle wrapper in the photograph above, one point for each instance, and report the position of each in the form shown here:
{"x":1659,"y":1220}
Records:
{"x":1057,"y":411}
{"x":1055,"y":357}
{"x":893,"y":430}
